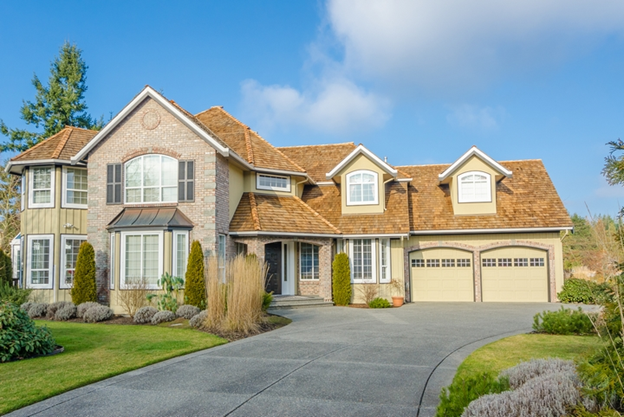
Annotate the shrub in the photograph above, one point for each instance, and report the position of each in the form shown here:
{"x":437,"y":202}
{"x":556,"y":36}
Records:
{"x":37,"y":310}
{"x":369,"y":292}
{"x":602,"y":375}
{"x":195,"y":289}
{"x":6,"y":269}
{"x":198,"y":320}
{"x":20,"y":338}
{"x":54,"y":307}
{"x":84,"y":288}
{"x":84,"y":307}
{"x":525,"y":371}
{"x":12,"y":294}
{"x":163,"y":316}
{"x":379,"y":303}
{"x":144,"y":315}
{"x":267,"y":299}
{"x":97,"y":313}
{"x":246,"y":278}
{"x":26,"y":306}
{"x":456,"y":397}
{"x":576,"y":290}
{"x":564,"y":321}
{"x":168,"y":300}
{"x":133,"y":296}
{"x":341,"y":280}
{"x":217,"y":295}
{"x":66,"y":312}
{"x":187,"y":311}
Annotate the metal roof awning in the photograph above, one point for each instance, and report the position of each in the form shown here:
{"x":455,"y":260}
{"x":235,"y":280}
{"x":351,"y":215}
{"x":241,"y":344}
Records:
{"x":156,"y":218}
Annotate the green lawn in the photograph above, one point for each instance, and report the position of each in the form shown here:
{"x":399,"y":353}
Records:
{"x":93,"y":352}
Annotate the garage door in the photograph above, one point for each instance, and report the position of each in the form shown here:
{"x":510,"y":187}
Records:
{"x":442,"y":275}
{"x":515,"y":274}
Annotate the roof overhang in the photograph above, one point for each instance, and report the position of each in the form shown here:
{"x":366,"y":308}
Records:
{"x":361,"y":150}
{"x":151,"y":93}
{"x":331,"y":235}
{"x":474,"y":151}
{"x":150,"y":218}
{"x":16,"y":167}
{"x":480,"y":231}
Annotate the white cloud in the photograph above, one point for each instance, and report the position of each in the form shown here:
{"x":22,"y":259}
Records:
{"x":470,"y":116}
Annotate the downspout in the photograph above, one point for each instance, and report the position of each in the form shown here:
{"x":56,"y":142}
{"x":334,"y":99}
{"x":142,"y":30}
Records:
{"x":565,"y":235}
{"x":301,"y":182}
{"x":384,"y":190}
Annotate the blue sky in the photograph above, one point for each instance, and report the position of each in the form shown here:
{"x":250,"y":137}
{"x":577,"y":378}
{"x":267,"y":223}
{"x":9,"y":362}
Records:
{"x":418,"y":82}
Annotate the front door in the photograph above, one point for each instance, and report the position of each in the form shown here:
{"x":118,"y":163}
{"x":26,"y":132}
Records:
{"x":273,"y":257}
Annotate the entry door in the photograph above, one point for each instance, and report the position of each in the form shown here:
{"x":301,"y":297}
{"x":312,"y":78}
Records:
{"x":273,"y":257}
{"x":288,"y":268}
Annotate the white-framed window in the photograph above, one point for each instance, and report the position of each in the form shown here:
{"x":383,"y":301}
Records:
{"x":308,"y":261}
{"x":341,"y":246}
{"x":40,"y":263}
{"x":221,"y":257}
{"x":384,"y":261}
{"x":180,"y":252}
{"x":41,"y":187}
{"x":23,"y":193}
{"x":141,"y":258}
{"x":362,"y":254}
{"x":474,"y":187}
{"x":113,"y":260}
{"x":70,"y":245}
{"x":272,"y":182}
{"x":75,"y":187}
{"x":362,"y":188}
{"x":151,"y":179}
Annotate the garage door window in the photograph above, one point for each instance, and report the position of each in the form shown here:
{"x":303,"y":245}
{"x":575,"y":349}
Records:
{"x":537,"y":262}
{"x":463,"y":263}
{"x":418,"y":263}
{"x":433,"y":263}
{"x":489,"y":262}
{"x":448,"y":263}
{"x":519,"y":262}
{"x":504,"y":262}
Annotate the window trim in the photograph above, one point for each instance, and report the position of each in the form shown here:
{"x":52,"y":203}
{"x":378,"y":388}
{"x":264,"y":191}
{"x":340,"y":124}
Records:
{"x":63,"y":269}
{"x":270,"y":188}
{"x":23,"y":193}
{"x":385,"y":248}
{"x":318,"y":269}
{"x":124,"y":176}
{"x":174,"y":248}
{"x":461,"y":198}
{"x":111,"y":267}
{"x":122,"y":264}
{"x":375,"y":188}
{"x":50,"y":284}
{"x":65,"y":189}
{"x":373,"y":279}
{"x":31,"y":175}
{"x":222,"y":256}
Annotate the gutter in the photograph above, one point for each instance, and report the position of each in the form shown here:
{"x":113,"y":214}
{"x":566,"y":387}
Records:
{"x":477,"y":231}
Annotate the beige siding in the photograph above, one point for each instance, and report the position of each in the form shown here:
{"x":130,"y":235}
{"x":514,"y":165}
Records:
{"x":361,"y":162}
{"x":237,"y":188}
{"x":250,"y":185}
{"x":473,"y":164}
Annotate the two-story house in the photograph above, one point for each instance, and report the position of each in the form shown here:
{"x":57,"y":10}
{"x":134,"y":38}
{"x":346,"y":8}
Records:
{"x":156,"y":177}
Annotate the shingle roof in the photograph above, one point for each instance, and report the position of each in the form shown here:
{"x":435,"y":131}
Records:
{"x":528,"y":200}
{"x":62,"y":145}
{"x":245,"y":142}
{"x":267,"y":213}
{"x":318,"y":160}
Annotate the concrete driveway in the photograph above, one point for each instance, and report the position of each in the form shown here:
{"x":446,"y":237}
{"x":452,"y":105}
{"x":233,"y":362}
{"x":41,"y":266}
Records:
{"x":329,"y":362}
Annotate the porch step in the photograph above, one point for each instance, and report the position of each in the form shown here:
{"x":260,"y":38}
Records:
{"x":298,"y":301}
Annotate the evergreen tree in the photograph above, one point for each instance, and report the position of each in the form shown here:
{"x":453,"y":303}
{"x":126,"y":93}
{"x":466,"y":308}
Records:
{"x":85,"y":288}
{"x":59,"y":104}
{"x":9,"y":208}
{"x":341,"y":280}
{"x":195,"y":282}
{"x":6,"y":269}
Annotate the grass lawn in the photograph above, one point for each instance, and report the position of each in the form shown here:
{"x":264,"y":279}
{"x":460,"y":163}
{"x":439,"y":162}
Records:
{"x":93,"y":352}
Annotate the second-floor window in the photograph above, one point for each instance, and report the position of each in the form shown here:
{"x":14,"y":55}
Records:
{"x":273,"y":182}
{"x":75,"y":187}
{"x":362,"y":188}
{"x":474,"y":187}
{"x":41,"y":187}
{"x":151,"y":179}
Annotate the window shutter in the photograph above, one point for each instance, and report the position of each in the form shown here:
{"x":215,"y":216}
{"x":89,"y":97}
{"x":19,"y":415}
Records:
{"x":186,"y":181}
{"x":113,"y":183}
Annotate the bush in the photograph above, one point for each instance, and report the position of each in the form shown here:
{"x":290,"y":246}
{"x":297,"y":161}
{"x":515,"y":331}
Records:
{"x":66,"y":312}
{"x":341,"y":280}
{"x":12,"y":294}
{"x":133,"y":296}
{"x":84,"y":307}
{"x":6,"y":269}
{"x":525,"y":371}
{"x":26,"y":306}
{"x":187,"y":311}
{"x":267,"y":299}
{"x":197,"y":320}
{"x":195,"y":289}
{"x":20,"y":338}
{"x":456,"y":397}
{"x":602,"y":375}
{"x":54,"y":307}
{"x":97,"y":313}
{"x":163,"y":316}
{"x":37,"y":310}
{"x":84,"y":288}
{"x":379,"y":303}
{"x":576,"y":290}
{"x":168,"y":300}
{"x":564,"y":321}
{"x":144,"y":315}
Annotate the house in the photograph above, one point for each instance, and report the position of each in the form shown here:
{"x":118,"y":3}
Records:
{"x":156,"y":177}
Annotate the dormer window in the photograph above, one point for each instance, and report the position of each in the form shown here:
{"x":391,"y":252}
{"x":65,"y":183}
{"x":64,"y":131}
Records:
{"x":151,"y":179}
{"x":273,"y":182}
{"x":362,"y":188}
{"x":474,"y":187}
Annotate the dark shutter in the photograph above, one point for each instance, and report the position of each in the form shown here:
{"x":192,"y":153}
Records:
{"x":113,"y":184}
{"x":186,"y":181}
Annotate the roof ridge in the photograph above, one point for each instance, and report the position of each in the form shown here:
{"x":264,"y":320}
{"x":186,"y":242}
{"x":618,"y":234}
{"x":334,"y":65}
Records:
{"x":254,"y":211}
{"x":198,"y":122}
{"x":27,"y":151}
{"x":250,"y":154}
{"x":317,"y":214}
{"x":449,"y":163}
{"x":62,"y":142}
{"x":322,"y":144}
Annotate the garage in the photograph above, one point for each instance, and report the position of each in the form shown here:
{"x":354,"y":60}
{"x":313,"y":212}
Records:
{"x":442,"y":275}
{"x":515,"y":274}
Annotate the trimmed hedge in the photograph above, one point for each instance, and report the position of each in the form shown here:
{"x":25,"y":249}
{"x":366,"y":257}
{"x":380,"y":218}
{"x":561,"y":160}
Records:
{"x":84,"y":288}
{"x":195,"y":281}
{"x":341,"y":280}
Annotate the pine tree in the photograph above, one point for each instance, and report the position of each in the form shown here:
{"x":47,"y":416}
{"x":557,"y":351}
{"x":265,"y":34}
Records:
{"x":341,"y":280}
{"x":84,"y":288}
{"x":59,"y":104}
{"x":195,"y":282}
{"x":6,"y":269}
{"x":9,"y":208}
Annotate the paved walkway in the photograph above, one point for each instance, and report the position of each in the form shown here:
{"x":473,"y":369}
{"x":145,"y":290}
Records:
{"x":329,"y":362}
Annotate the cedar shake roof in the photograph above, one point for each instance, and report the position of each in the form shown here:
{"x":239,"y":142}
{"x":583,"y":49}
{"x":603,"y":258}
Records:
{"x":267,"y":213}
{"x":62,"y":145}
{"x":528,"y":200}
{"x":245,"y":142}
{"x":318,"y":160}
{"x":395,"y":220}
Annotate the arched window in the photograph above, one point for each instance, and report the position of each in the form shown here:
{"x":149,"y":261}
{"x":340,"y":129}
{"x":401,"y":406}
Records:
{"x":362,"y":188}
{"x":474,"y":187}
{"x":151,"y":179}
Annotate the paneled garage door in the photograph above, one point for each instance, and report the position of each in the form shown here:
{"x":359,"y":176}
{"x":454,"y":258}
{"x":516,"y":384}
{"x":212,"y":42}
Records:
{"x":515,"y":274}
{"x":442,"y":275}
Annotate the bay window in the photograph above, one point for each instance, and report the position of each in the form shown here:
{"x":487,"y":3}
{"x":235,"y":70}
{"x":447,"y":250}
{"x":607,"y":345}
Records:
{"x":180,"y":253}
{"x":308,"y":261}
{"x":75,"y":187}
{"x":70,"y":245}
{"x":40,"y":263}
{"x":142,"y":258}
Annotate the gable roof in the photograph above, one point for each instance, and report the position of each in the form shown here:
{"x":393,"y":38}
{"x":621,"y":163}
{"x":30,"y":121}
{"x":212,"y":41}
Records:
{"x":317,"y":160}
{"x":474,"y":151}
{"x":245,"y":142}
{"x":528,"y":200}
{"x":359,"y":150}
